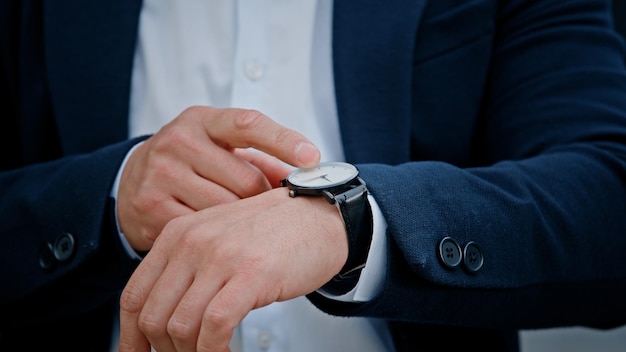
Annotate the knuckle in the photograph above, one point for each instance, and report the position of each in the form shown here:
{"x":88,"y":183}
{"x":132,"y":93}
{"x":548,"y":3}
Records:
{"x":248,"y":119}
{"x":283,"y":136}
{"x":130,"y":299}
{"x":204,"y":346}
{"x":175,"y":227}
{"x":176,"y":133}
{"x":254,"y":182}
{"x":149,"y":325}
{"x":171,"y":136}
{"x":218,"y":321}
{"x":178,"y":225}
{"x":126,"y":346}
{"x":193,"y":111}
{"x":146,"y":202}
{"x":163,"y":172}
{"x":180,"y":330}
{"x":172,"y":233}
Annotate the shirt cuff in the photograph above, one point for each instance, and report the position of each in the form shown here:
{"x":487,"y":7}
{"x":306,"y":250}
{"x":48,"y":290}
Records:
{"x":129,"y":250}
{"x":373,"y":274}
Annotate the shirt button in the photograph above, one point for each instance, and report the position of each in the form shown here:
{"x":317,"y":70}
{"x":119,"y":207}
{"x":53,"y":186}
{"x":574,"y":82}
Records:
{"x":253,"y":70}
{"x":264,"y":338}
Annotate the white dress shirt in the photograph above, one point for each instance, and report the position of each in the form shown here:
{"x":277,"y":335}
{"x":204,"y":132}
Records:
{"x":273,"y":56}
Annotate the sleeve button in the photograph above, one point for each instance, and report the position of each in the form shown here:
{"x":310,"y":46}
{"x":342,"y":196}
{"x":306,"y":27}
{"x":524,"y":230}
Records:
{"x":63,"y":247}
{"x":449,"y":252}
{"x":46,"y":257}
{"x":473,"y":257}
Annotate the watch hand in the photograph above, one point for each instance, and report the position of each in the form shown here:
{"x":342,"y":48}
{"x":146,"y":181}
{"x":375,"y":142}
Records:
{"x":314,"y":178}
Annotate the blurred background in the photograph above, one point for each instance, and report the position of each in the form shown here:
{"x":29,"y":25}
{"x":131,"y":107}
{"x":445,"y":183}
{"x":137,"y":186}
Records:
{"x":574,"y":339}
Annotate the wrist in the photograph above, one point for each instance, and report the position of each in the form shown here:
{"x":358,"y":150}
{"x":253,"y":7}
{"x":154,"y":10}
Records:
{"x":357,"y":219}
{"x":340,"y":185}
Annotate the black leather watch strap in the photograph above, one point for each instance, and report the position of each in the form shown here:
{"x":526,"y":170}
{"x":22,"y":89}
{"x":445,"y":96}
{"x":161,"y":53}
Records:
{"x":357,"y":216}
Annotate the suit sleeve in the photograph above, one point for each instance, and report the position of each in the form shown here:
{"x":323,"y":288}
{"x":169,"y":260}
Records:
{"x":547,"y":208}
{"x":43,"y":206}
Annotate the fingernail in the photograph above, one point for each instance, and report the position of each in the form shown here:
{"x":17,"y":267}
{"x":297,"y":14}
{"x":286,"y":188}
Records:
{"x":307,"y":155}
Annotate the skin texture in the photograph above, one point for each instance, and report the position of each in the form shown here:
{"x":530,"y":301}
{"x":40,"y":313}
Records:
{"x":193,"y":163}
{"x":209,"y":214}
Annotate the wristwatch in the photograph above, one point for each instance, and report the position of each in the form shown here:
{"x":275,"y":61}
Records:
{"x":341,"y":185}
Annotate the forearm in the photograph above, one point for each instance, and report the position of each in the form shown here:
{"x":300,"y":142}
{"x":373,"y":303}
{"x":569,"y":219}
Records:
{"x":539,"y":189}
{"x":541,"y":268}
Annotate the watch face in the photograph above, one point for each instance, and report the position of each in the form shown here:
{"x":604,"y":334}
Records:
{"x":327,"y":174}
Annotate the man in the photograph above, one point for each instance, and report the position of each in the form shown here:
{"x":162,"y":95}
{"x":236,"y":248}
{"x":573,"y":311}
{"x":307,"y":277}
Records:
{"x":489,"y":134}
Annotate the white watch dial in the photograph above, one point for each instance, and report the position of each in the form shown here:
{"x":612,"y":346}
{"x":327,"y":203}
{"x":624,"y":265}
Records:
{"x":327,"y":174}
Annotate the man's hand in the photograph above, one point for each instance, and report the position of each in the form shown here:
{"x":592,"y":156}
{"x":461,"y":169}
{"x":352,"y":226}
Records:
{"x":208,"y":269}
{"x":199,"y":160}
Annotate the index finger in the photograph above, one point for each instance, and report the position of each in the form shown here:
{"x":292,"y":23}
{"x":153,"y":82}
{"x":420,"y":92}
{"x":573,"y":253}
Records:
{"x":241,"y":128}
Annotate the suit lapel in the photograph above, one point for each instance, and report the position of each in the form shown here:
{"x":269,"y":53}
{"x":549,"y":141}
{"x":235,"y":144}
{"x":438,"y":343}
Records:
{"x":373,"y":48}
{"x":89,"y":52}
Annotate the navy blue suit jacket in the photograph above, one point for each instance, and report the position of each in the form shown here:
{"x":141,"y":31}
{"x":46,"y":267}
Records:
{"x":501,"y":123}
